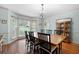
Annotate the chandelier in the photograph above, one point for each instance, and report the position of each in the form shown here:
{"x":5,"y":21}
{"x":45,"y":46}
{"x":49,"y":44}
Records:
{"x":42,"y":12}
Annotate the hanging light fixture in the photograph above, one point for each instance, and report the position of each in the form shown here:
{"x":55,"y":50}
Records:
{"x":42,"y":12}
{"x":42,"y":19}
{"x":42,"y":15}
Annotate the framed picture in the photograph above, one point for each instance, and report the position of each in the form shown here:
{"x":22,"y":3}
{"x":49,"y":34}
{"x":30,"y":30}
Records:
{"x":4,"y":21}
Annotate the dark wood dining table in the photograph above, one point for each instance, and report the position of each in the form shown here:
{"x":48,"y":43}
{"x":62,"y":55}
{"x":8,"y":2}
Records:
{"x":56,"y":40}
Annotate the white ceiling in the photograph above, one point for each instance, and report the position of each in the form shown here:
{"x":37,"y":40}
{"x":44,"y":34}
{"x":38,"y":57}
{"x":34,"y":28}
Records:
{"x":34,"y":10}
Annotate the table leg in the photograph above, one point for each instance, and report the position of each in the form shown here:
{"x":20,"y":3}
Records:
{"x":60,"y":48}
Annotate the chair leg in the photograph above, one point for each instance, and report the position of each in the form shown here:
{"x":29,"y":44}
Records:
{"x":27,"y":46}
{"x":42,"y":51}
{"x":39,"y":50}
{"x":33,"y":49}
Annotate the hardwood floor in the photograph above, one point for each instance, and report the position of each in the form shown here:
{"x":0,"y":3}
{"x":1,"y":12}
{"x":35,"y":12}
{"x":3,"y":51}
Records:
{"x":70,"y":48}
{"x":18,"y":47}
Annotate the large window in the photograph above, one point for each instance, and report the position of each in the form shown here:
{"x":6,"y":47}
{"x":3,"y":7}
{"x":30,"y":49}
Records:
{"x":34,"y":25}
{"x":23,"y":26}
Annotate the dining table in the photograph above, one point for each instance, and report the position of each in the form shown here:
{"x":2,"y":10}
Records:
{"x":57,"y":40}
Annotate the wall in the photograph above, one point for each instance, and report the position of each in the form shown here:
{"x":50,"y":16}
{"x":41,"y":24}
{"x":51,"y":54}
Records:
{"x":75,"y":23}
{"x":4,"y":27}
{"x":12,"y":27}
{"x":3,"y":16}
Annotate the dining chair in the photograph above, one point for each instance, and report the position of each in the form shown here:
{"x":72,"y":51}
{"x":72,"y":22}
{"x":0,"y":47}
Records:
{"x":45,"y":44}
{"x":33,"y":42}
{"x":27,"y":42}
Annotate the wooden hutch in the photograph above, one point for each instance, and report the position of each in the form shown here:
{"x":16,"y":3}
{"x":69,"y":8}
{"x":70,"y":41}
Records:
{"x":63,"y":26}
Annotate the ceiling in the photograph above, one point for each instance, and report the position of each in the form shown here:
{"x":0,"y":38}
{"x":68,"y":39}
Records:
{"x":34,"y":10}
